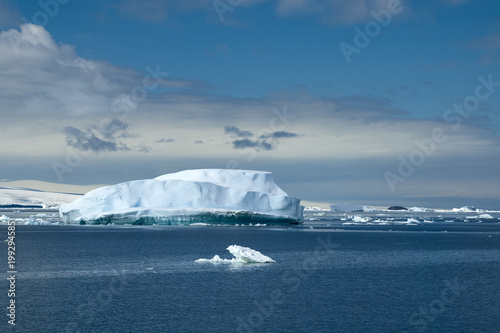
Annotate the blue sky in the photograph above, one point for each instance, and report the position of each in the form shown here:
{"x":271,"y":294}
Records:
{"x":80,"y":105}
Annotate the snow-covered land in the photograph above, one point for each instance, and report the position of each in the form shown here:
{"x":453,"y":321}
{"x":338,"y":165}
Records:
{"x":205,"y":195}
{"x":351,"y":208}
{"x":13,"y":196}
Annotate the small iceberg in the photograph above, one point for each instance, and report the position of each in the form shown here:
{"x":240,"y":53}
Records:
{"x":242,"y":255}
{"x":464,"y":209}
{"x":411,"y":221}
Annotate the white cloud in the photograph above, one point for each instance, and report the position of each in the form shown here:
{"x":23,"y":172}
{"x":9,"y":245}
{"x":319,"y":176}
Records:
{"x":332,"y":11}
{"x":40,"y":76}
{"x":46,"y":87}
{"x":162,"y":10}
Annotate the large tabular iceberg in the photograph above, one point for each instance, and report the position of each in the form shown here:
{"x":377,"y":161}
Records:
{"x":191,"y":196}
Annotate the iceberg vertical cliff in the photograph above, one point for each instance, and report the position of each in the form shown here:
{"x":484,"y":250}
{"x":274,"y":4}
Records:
{"x":205,"y":195}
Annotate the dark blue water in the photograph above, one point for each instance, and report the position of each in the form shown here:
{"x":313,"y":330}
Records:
{"x":144,"y":279}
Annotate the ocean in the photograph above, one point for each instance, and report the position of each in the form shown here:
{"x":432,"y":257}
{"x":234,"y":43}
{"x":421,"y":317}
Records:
{"x":329,"y":276}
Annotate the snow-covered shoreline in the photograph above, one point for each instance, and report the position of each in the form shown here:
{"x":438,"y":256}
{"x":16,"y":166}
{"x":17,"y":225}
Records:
{"x":15,"y":197}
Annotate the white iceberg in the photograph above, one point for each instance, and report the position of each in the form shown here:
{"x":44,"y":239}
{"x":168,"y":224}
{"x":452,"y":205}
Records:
{"x":421,"y":209}
{"x":351,"y":208}
{"x":242,"y":255}
{"x":465,"y":209}
{"x":313,"y":209}
{"x":212,"y":196}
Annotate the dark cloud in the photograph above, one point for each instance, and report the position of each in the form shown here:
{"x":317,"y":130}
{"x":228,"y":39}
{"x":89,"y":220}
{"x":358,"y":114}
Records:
{"x":236,"y":131}
{"x":265,"y":142}
{"x":280,"y":135}
{"x":105,"y":137}
{"x":247,"y":143}
{"x":143,"y":149}
{"x":266,"y":145}
{"x":163,"y":140}
{"x":199,"y":142}
{"x":186,"y":85}
{"x":87,"y":141}
{"x":112,"y":128}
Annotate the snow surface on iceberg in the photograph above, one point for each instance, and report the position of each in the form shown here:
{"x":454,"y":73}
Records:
{"x":242,"y":255}
{"x":191,"y":196}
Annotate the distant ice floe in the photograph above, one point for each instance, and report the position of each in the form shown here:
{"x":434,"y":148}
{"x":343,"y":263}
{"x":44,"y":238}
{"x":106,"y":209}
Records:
{"x":242,"y":255}
{"x":366,"y":220}
{"x":37,"y":222}
{"x":32,"y":220}
{"x":361,"y":219}
{"x":353,"y":208}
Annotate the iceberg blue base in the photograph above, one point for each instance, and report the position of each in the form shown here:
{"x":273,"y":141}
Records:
{"x":230,"y":218}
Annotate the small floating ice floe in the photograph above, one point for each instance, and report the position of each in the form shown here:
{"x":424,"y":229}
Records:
{"x":411,"y":221}
{"x":242,"y":255}
{"x":361,"y":219}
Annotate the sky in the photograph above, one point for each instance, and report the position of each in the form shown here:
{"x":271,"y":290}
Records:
{"x":380,"y":102}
